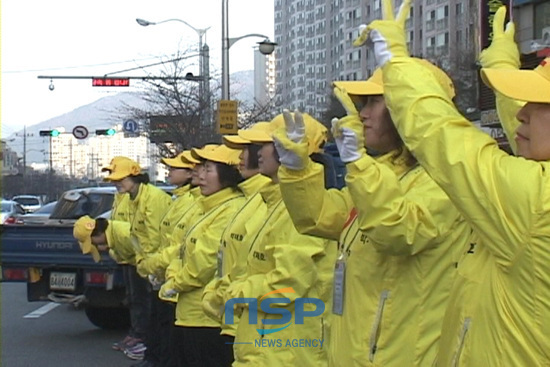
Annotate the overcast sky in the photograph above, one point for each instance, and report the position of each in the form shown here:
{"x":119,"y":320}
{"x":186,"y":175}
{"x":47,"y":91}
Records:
{"x":84,"y":37}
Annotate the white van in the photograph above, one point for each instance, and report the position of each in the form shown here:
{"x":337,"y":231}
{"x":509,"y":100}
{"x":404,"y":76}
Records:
{"x":30,"y":203}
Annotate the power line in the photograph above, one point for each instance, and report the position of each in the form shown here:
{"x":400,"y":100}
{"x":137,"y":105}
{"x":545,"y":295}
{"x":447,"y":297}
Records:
{"x":76,"y":67}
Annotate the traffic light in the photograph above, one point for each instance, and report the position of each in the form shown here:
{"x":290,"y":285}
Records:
{"x":109,"y":132}
{"x":53,"y":133}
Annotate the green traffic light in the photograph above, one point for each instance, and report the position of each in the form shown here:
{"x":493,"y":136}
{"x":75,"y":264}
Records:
{"x":55,"y":133}
{"x":111,"y":132}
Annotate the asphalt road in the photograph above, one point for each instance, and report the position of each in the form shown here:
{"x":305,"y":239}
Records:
{"x":54,"y":336}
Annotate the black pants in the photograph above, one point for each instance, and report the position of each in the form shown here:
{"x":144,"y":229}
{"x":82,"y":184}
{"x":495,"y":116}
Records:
{"x":137,"y":291}
{"x":202,"y":347}
{"x":159,"y":346}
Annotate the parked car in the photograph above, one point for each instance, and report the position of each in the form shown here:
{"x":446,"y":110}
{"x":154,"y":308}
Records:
{"x":10,"y":211}
{"x":30,"y":203}
{"x":40,"y":216}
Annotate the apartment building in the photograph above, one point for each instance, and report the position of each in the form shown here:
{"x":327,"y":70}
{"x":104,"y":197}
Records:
{"x":315,"y":44}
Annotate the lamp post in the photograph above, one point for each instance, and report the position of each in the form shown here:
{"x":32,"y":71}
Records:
{"x":204,"y":61}
{"x":266,"y":47}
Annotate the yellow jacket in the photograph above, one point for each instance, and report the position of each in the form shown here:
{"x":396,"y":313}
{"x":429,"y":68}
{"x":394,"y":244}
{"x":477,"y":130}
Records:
{"x":121,"y":208}
{"x":149,"y":206}
{"x":156,"y":263}
{"x":281,"y":258}
{"x":397,"y":243}
{"x":499,"y":308}
{"x":119,"y":242}
{"x":198,"y":256}
{"x":120,"y":211}
{"x":234,"y":247}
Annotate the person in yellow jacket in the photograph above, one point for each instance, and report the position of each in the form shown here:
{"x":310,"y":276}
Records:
{"x":287,"y":271}
{"x":97,"y":235}
{"x":156,"y":264}
{"x":399,"y":235}
{"x":147,"y":203}
{"x":499,"y":308}
{"x":160,"y":351}
{"x":200,"y":343}
{"x":236,"y":236}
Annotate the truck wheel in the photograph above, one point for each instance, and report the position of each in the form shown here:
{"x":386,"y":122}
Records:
{"x":108,"y":317}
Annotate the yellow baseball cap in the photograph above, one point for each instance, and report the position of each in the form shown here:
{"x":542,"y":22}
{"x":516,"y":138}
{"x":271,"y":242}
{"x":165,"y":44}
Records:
{"x":375,"y":84}
{"x":82,"y":231}
{"x":188,"y":156}
{"x":238,"y":142}
{"x":178,"y":161}
{"x":523,"y":85}
{"x":370,"y":87}
{"x":222,"y":154}
{"x":121,"y":167}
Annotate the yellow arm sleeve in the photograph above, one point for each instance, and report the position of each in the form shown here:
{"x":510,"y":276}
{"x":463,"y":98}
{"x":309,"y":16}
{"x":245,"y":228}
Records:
{"x":500,"y":195}
{"x":314,"y":210}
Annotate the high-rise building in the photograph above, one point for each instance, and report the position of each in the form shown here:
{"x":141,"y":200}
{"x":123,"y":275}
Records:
{"x":315,"y":44}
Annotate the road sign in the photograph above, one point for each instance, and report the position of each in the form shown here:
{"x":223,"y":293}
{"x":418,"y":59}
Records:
{"x":130,"y":126}
{"x":227,"y":117}
{"x":80,"y":132}
{"x":110,"y":82}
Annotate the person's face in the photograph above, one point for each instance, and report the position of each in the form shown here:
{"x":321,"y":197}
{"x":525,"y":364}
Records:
{"x":244,"y":164}
{"x":125,"y":185}
{"x":380,"y":133}
{"x":209,"y":180}
{"x":195,"y":174}
{"x":178,"y":176}
{"x":533,"y":135}
{"x":100,"y":241}
{"x":268,"y":161}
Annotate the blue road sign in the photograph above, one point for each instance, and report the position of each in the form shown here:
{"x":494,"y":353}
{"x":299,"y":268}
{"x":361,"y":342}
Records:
{"x":130,"y":126}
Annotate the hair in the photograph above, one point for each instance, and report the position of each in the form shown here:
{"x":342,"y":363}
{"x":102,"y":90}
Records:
{"x":229,"y":176}
{"x":401,"y":149}
{"x":253,"y":150}
{"x":101,"y":225}
{"x":142,"y":178}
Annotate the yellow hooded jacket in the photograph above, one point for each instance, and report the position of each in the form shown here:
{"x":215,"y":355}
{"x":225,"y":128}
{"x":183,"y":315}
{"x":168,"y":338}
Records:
{"x":234,"y":247}
{"x":157,"y":263}
{"x":397,"y":244}
{"x":499,"y":309}
{"x":280,"y":258}
{"x":149,"y":206}
{"x":198,"y":256}
{"x":120,"y":244}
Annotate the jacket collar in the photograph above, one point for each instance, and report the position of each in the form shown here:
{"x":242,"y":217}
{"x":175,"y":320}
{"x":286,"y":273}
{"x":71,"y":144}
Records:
{"x":253,"y":184}
{"x":211,"y":201}
{"x":271,"y":194}
{"x":182,"y":190}
{"x":195,"y":192}
{"x":398,"y":164}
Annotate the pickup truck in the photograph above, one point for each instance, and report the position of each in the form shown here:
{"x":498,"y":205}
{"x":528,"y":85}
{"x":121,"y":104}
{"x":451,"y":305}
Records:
{"x":49,"y":260}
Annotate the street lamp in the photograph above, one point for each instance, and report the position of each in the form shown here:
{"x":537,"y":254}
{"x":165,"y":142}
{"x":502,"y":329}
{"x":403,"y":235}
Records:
{"x":266,"y":47}
{"x":204,"y":61}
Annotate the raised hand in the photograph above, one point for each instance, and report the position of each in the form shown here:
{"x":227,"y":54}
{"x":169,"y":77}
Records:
{"x":503,"y":52}
{"x":387,"y":34}
{"x":290,"y":141}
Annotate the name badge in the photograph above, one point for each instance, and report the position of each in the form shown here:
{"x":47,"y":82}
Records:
{"x":338,"y":286}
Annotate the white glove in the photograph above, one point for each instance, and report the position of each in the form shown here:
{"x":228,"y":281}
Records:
{"x":348,"y":143}
{"x":154,"y":281}
{"x":290,"y":142}
{"x":168,"y":293}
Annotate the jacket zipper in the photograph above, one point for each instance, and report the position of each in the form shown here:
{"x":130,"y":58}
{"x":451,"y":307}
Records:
{"x":465,"y":328}
{"x":376,"y":325}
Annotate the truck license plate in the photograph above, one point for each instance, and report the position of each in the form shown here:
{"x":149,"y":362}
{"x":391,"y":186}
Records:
{"x":63,"y":281}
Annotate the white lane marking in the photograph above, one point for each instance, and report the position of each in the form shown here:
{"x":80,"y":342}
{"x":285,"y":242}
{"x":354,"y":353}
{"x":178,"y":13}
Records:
{"x":41,"y":311}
